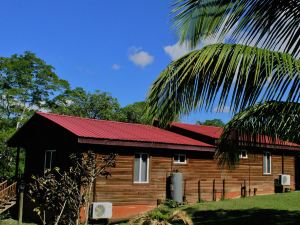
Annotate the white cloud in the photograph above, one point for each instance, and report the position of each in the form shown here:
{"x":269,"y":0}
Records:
{"x":226,"y":109}
{"x":177,"y":50}
{"x":116,"y":66}
{"x":139,"y":57}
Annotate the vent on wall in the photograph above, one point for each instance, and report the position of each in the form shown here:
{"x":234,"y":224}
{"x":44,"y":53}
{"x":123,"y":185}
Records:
{"x":285,"y":179}
{"x":101,"y":210}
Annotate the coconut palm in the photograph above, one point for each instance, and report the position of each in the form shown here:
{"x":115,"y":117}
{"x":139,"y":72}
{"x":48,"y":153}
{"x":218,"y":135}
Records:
{"x":253,"y":68}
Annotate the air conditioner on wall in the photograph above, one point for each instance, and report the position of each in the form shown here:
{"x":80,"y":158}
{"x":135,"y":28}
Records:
{"x":284,"y":179}
{"x":101,"y":210}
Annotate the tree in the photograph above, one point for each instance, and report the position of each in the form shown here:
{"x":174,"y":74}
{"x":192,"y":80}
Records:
{"x":134,"y":113}
{"x":97,"y":105}
{"x":78,"y":102}
{"x":259,"y":68}
{"x":213,"y":122}
{"x":27,"y":84}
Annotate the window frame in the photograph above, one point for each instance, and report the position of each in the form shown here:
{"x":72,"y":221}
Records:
{"x":178,"y":162}
{"x":241,"y":154}
{"x":270,"y":161}
{"x":51,"y":159}
{"x":140,"y":168}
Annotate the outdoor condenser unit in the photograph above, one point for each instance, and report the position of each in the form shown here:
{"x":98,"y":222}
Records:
{"x":284,"y":179}
{"x":101,"y":210}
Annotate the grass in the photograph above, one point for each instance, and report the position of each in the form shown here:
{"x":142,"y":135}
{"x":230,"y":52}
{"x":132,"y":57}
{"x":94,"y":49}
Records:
{"x":278,"y":209}
{"x":12,"y":222}
{"x":266,"y":210}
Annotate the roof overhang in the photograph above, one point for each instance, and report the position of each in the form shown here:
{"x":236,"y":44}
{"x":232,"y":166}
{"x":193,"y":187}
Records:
{"x":145,"y":144}
{"x":271,"y":146}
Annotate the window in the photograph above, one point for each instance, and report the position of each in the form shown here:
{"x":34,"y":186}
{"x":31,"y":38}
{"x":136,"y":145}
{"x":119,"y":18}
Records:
{"x":267,"y":163}
{"x":243,"y":154}
{"x":141,"y":168}
{"x":49,"y":159}
{"x":180,"y":158}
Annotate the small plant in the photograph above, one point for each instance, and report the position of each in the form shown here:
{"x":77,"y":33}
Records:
{"x":201,"y":201}
{"x":163,"y":216}
{"x":172,"y":204}
{"x":59,"y":195}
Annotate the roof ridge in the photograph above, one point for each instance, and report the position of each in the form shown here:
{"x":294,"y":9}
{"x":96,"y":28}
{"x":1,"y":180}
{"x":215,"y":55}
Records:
{"x":86,"y":118}
{"x":198,"y":125}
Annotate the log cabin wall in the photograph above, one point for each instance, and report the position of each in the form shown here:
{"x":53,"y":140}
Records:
{"x":200,"y":166}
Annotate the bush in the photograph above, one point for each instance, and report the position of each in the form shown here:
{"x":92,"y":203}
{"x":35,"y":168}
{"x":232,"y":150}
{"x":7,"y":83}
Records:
{"x":163,"y":216}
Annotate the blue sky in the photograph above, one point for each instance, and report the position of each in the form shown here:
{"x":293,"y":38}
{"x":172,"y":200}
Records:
{"x":115,"y":46}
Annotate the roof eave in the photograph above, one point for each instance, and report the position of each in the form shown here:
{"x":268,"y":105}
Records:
{"x":141,"y":144}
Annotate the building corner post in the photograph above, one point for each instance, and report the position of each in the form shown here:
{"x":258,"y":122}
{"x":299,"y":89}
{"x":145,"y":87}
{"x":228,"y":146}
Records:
{"x":17,"y":162}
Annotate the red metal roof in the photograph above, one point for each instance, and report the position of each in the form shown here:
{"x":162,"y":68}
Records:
{"x":210,"y":131}
{"x":112,"y":130}
{"x":215,"y":132}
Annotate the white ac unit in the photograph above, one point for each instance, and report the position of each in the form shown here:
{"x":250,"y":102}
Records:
{"x":285,"y":179}
{"x":101,"y":210}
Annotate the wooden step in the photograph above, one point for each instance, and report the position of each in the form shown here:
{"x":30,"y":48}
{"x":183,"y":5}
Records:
{"x":7,"y":206}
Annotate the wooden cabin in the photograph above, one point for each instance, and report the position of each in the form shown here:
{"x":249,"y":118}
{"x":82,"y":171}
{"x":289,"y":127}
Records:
{"x":148,"y":155}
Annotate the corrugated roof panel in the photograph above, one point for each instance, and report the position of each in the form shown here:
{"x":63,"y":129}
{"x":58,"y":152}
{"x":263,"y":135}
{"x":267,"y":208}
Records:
{"x":104,"y":129}
{"x":215,"y":132}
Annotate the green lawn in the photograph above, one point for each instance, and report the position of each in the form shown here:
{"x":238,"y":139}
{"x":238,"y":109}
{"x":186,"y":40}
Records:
{"x":277,"y":209}
{"x":283,"y":209}
{"x":12,"y":222}
{"x":259,"y":210}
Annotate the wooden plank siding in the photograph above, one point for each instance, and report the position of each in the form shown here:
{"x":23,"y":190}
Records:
{"x":120,"y":189}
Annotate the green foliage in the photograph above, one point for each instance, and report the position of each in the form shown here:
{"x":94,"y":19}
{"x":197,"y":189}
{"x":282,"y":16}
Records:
{"x":213,"y":122}
{"x":12,"y":222}
{"x":222,"y":74}
{"x":260,"y":64}
{"x":27,"y":83}
{"x":97,"y":105}
{"x":163,"y":216}
{"x":8,"y":155}
{"x":169,"y":203}
{"x":272,"y":24}
{"x":78,"y":102}
{"x":56,"y":195}
{"x":262,"y":122}
{"x":159,"y":214}
{"x":135,"y":113}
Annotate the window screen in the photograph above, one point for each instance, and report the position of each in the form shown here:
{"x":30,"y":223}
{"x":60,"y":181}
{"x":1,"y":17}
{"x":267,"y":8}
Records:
{"x":141,"y":168}
{"x":267,"y":163}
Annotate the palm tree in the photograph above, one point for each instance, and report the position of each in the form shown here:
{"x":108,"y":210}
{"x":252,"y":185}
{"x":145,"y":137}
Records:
{"x":253,"y":67}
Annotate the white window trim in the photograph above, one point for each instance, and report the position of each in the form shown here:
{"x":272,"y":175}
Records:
{"x":178,"y":162}
{"x":140,"y":169}
{"x":266,"y":173}
{"x":241,"y":155}
{"x":45,"y":159}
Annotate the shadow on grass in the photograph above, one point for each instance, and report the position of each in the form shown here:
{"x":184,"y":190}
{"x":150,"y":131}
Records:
{"x":253,"y":216}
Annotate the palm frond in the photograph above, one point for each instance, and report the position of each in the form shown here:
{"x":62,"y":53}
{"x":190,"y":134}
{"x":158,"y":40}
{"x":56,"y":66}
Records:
{"x":271,"y":122}
{"x":273,"y":24}
{"x":223,"y":74}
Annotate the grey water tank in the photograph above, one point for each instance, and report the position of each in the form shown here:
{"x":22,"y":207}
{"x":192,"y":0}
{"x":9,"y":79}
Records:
{"x":177,"y":183}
